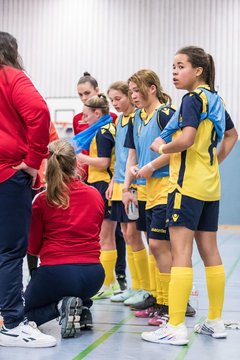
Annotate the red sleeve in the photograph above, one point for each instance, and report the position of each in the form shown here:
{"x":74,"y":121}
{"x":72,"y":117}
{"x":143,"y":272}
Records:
{"x":79,"y":124}
{"x":36,"y":229}
{"x":114,"y":117}
{"x":34,"y":111}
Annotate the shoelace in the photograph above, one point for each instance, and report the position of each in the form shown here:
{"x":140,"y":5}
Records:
{"x":30,"y":323}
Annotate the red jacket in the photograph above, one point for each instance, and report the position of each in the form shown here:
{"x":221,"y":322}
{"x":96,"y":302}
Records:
{"x":24,"y":122}
{"x":69,"y":236}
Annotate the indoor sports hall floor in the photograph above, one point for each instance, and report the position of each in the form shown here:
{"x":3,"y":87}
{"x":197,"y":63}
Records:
{"x":116,"y":333}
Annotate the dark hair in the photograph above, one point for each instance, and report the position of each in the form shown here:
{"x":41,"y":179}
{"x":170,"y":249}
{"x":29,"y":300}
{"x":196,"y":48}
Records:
{"x":88,"y":78}
{"x":144,"y":79}
{"x":199,"y":58}
{"x":98,"y":102}
{"x":9,"y":51}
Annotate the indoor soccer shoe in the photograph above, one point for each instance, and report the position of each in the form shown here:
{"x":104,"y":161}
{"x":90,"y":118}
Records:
{"x":123,"y":296}
{"x":141,"y":300}
{"x":26,"y":334}
{"x":147,"y":301}
{"x":116,"y":288}
{"x":146,"y":313}
{"x":107,"y":290}
{"x":214,"y":328}
{"x":168,"y":334}
{"x":70,"y":312}
{"x":151,"y":311}
{"x":190,"y":311}
{"x":158,"y":320}
{"x":103,"y":293}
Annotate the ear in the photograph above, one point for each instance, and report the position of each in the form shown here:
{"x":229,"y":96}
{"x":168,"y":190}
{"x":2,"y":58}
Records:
{"x":199,"y":71}
{"x":98,"y":113}
{"x":97,"y":90}
{"x":153,"y":89}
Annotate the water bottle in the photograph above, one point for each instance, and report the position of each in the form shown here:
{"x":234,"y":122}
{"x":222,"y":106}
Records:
{"x":194,"y":297}
{"x":133,"y":212}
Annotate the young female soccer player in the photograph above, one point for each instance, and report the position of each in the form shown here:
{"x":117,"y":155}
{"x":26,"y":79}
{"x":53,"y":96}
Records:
{"x":193,"y":202}
{"x":87,"y":87}
{"x":100,"y":170}
{"x":118,"y":94}
{"x":149,"y":120}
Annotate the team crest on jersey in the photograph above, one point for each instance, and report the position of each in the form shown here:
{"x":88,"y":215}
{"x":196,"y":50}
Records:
{"x":166,"y":111}
{"x":175,"y":217}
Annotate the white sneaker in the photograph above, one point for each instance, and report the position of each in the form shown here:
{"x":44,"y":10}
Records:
{"x":214,"y":328}
{"x":123,"y":296}
{"x":138,"y":297}
{"x":168,"y":334}
{"x":26,"y":334}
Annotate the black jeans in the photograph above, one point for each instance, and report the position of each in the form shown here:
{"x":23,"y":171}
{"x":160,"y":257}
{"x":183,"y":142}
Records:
{"x":120,"y":268}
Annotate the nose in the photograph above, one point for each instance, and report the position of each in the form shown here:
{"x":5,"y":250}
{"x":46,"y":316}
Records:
{"x":174,"y":71}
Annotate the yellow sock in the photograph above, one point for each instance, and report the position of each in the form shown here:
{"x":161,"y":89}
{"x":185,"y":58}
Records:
{"x":179,"y":291}
{"x":132,"y":268}
{"x":165,"y":280}
{"x":152,"y":274}
{"x":215,"y":277}
{"x":159,"y":287}
{"x":141,"y":264}
{"x":108,"y":260}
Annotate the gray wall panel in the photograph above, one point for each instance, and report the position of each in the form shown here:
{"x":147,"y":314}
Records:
{"x":59,"y":39}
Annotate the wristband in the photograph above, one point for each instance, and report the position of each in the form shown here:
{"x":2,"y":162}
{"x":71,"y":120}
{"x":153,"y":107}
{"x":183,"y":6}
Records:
{"x":160,"y":150}
{"x":150,"y":166}
{"x":125,"y":190}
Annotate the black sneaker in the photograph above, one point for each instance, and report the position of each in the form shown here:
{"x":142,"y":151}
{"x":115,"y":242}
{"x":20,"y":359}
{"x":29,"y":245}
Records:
{"x":86,"y":322}
{"x":190,"y":311}
{"x":146,"y":303}
{"x":162,"y":309}
{"x":70,"y":312}
{"x":122,"y":282}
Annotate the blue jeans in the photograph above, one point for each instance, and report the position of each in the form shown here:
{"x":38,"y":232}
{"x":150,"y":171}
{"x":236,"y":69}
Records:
{"x":15,"y":217}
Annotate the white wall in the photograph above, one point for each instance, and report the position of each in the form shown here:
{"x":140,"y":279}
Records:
{"x":60,"y":39}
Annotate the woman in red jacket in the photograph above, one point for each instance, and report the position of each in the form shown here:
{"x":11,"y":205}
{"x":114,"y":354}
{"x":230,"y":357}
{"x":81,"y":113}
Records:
{"x":66,"y":223}
{"x":24,"y":136}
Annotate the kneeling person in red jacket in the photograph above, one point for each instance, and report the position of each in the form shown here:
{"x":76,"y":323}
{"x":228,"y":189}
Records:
{"x":66,"y":223}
